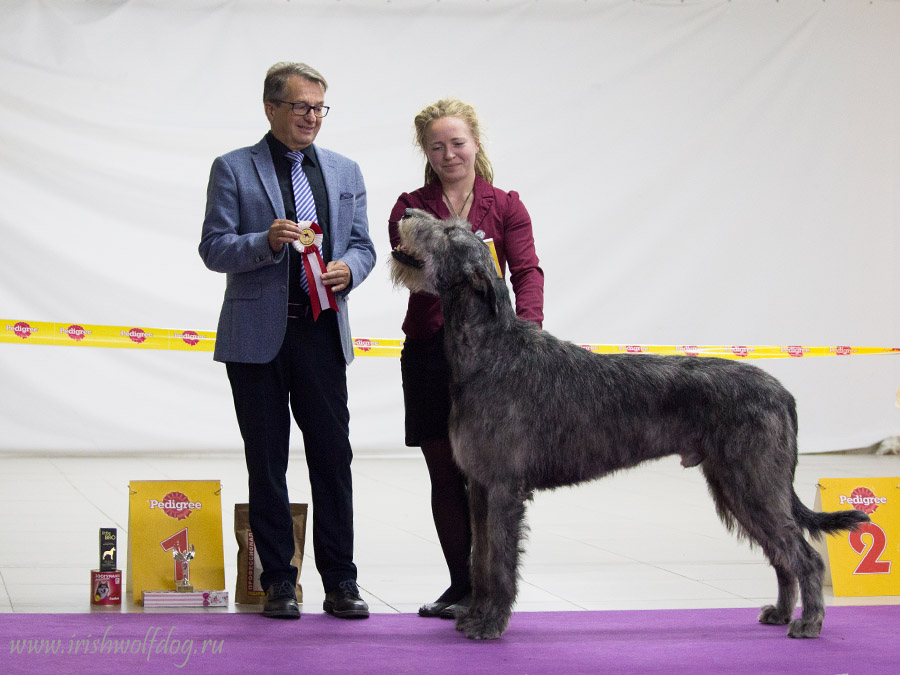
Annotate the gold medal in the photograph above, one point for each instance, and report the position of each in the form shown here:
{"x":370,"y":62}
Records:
{"x":307,"y":236}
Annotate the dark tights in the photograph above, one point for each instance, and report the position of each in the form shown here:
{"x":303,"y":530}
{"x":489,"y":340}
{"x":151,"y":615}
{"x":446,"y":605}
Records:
{"x":450,"y":509}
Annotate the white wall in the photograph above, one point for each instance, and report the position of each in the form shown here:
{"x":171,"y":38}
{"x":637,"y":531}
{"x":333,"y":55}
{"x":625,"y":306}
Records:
{"x":698,"y":172}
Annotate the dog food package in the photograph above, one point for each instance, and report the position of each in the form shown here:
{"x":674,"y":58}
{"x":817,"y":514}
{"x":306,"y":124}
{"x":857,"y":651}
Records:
{"x":106,"y":587}
{"x":249,"y":590}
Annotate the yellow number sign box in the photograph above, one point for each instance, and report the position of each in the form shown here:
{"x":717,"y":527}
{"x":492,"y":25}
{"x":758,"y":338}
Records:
{"x":865,"y":562}
{"x":165,"y":517}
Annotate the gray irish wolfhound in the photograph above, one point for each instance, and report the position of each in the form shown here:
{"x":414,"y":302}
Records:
{"x":563,"y":415}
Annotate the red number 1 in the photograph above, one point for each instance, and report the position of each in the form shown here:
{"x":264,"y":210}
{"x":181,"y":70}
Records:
{"x":870,"y":564}
{"x":178,"y":540}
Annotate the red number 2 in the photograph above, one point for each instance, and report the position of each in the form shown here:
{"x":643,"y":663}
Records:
{"x":870,"y":564}
{"x":178,"y":540}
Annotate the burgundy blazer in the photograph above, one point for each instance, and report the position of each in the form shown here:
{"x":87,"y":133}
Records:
{"x":503,"y":218}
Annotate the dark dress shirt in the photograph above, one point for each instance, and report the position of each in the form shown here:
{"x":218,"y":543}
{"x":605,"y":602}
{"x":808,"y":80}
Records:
{"x":313,"y":172}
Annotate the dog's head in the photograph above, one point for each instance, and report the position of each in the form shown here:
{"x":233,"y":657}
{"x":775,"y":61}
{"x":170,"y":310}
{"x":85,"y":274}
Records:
{"x":436,"y":255}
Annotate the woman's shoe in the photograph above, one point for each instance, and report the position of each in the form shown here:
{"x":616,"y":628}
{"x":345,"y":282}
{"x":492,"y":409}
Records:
{"x":458,"y":608}
{"x":434,"y":608}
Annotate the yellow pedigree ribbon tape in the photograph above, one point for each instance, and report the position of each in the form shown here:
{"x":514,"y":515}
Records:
{"x":138,"y":337}
{"x":13,"y":331}
{"x":91,"y":335}
{"x":740,"y":352}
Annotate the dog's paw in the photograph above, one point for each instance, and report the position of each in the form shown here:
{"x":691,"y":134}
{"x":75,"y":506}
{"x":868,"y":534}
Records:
{"x":470,"y":617}
{"x":480,"y":625}
{"x":772,"y":616}
{"x":461,"y":620}
{"x":889,"y":446}
{"x":805,"y":628}
{"x":483,"y":631}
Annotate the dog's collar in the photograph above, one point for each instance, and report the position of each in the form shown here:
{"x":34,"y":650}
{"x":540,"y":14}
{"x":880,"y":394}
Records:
{"x":406,"y":259}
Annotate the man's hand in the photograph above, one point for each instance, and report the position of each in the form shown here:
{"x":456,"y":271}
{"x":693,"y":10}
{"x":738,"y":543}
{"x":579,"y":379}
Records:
{"x":337,"y":275}
{"x":282,"y":232}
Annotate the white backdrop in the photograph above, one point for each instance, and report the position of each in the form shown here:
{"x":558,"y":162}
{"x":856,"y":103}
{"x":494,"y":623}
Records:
{"x":698,"y":172}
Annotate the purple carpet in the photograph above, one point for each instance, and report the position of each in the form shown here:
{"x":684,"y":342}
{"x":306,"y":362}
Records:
{"x":855,"y":640}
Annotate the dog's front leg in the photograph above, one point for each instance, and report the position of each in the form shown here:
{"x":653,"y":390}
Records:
{"x":497,"y":514}
{"x":479,"y":561}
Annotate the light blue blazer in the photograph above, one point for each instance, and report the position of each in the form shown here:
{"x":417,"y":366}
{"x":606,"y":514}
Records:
{"x":242,"y":200}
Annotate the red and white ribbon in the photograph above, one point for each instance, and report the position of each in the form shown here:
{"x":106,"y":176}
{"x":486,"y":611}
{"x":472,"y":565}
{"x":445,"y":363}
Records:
{"x":321,"y":296}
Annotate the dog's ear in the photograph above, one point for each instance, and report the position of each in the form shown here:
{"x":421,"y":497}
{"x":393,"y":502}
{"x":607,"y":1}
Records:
{"x":483,"y":283}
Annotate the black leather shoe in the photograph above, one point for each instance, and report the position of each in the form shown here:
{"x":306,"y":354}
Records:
{"x":281,"y":601}
{"x":433,"y":608}
{"x":457,"y":609}
{"x":344,"y":602}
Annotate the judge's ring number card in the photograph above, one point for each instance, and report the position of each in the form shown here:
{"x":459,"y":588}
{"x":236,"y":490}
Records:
{"x":865,"y":562}
{"x":166,"y":517}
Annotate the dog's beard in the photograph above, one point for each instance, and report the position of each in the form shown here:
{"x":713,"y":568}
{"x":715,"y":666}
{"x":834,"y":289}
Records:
{"x":407,"y":271}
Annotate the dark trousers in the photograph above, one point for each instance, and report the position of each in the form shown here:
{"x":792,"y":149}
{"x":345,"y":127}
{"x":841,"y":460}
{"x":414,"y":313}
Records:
{"x":307,"y":378}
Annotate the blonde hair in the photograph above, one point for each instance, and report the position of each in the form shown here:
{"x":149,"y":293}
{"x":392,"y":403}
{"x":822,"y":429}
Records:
{"x":451,"y":107}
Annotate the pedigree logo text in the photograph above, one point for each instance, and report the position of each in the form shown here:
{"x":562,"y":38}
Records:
{"x":137,"y":335}
{"x":75,"y":332}
{"x":189,"y":337}
{"x":175,"y":505}
{"x":22,"y":329}
{"x":843,"y":350}
{"x":863,"y":499}
{"x":364,"y":344}
{"x":795,"y":351}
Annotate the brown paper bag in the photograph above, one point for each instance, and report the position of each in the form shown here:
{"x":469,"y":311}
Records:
{"x":249,"y":591}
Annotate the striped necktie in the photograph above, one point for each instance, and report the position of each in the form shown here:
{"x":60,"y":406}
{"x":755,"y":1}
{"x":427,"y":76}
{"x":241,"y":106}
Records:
{"x":304,"y":203}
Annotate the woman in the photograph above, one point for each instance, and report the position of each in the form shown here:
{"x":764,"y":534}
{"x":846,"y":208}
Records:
{"x":458,"y":183}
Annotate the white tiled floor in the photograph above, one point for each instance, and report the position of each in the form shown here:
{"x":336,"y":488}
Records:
{"x":644,"y":539}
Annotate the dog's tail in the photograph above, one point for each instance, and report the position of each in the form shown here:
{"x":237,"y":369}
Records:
{"x":819,"y":523}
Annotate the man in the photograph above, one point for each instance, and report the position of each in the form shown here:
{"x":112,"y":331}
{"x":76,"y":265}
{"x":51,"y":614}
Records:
{"x":284,"y":333}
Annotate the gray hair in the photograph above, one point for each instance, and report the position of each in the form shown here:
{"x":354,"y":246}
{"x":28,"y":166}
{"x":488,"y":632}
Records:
{"x":277,"y":77}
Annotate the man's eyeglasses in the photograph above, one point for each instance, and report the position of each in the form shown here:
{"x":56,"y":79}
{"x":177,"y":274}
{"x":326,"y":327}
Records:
{"x":300,"y":109}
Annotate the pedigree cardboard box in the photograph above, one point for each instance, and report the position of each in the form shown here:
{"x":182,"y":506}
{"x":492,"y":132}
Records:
{"x":865,"y":562}
{"x":168,"y":517}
